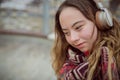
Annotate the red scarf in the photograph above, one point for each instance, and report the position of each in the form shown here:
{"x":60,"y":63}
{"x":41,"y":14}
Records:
{"x":76,"y":67}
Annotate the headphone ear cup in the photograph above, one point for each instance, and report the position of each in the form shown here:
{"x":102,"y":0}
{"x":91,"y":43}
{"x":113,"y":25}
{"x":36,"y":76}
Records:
{"x":104,"y":19}
{"x":99,"y":20}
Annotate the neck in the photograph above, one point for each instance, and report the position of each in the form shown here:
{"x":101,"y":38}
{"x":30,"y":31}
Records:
{"x":86,"y":53}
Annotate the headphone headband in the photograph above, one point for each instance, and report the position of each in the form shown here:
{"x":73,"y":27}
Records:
{"x":99,"y":5}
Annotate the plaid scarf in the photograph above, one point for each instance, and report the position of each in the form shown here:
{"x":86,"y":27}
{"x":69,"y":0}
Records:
{"x":76,"y":67}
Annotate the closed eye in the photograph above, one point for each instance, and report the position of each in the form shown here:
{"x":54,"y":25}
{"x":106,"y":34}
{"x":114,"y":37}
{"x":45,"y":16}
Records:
{"x":66,"y":33}
{"x":78,"y":28}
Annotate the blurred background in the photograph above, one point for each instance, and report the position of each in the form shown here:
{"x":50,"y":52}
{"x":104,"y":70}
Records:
{"x":27,"y":36}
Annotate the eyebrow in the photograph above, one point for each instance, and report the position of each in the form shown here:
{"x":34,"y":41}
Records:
{"x":74,"y":24}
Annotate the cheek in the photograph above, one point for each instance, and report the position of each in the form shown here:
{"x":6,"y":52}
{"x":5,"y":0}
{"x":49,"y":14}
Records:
{"x":86,"y":34}
{"x":91,"y":36}
{"x":68,"y":40}
{"x":90,"y":32}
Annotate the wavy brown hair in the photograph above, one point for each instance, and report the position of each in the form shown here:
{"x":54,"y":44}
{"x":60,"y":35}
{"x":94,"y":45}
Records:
{"x":109,"y":37}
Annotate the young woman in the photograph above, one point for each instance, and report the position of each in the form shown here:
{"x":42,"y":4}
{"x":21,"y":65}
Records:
{"x":87,"y":47}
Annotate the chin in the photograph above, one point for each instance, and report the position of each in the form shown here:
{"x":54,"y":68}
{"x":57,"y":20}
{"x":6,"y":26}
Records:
{"x":83,"y":49}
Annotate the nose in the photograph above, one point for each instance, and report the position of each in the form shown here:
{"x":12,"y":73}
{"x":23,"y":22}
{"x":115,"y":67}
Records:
{"x":74,"y":36}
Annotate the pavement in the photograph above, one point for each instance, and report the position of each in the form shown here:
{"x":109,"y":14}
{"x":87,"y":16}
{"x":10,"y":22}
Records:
{"x":25,"y":58}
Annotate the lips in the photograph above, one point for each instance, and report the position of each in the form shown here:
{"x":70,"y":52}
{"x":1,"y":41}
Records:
{"x":80,"y":45}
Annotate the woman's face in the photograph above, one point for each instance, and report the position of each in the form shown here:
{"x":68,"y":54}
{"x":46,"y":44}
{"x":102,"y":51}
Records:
{"x":79,"y":32}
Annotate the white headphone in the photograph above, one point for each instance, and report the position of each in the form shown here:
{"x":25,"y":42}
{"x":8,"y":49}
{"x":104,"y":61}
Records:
{"x":103,"y":17}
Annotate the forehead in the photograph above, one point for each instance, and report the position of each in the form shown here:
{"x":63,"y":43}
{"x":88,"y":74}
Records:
{"x":68,"y":11}
{"x":69,"y":16}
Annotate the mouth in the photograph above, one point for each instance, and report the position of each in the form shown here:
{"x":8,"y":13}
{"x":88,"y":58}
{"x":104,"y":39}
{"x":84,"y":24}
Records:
{"x":81,"y":45}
